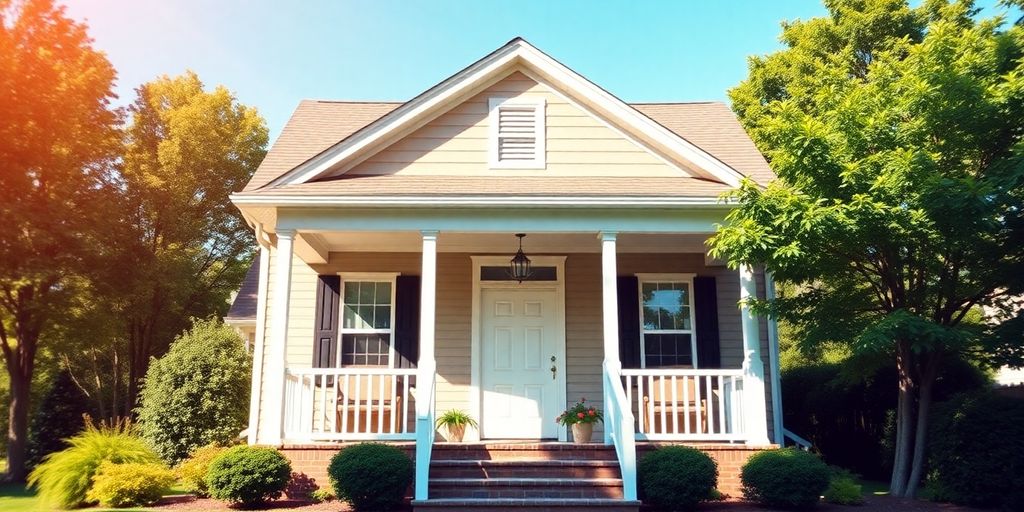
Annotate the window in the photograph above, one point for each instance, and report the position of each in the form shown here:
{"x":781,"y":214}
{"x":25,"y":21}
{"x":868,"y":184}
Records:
{"x":667,"y":337}
{"x":367,"y":318}
{"x":516,"y":133}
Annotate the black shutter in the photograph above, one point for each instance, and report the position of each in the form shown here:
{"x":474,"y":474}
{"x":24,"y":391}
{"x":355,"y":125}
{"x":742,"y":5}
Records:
{"x":705,"y":297}
{"x":325,"y":341}
{"x":629,"y":321}
{"x":407,"y":321}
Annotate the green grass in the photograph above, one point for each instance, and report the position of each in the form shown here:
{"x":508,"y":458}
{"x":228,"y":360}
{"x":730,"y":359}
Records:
{"x":18,"y":498}
{"x":874,"y":487}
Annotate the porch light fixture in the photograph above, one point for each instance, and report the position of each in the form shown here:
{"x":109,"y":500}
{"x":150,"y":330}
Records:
{"x":519,"y":268}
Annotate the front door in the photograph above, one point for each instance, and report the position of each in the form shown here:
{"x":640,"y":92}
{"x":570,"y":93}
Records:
{"x":519,"y":351}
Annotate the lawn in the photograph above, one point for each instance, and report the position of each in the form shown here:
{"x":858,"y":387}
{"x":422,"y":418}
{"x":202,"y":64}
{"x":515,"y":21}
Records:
{"x":17,"y":498}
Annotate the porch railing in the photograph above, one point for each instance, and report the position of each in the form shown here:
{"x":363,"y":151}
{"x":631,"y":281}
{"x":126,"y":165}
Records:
{"x":685,"y":405}
{"x":620,"y":427}
{"x":338,"y":404}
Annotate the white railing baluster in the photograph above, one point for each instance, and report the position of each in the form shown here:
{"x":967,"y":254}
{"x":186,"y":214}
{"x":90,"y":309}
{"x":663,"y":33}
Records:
{"x":697,"y":405}
{"x":675,"y":406}
{"x":358,"y":402}
{"x":721,"y":405}
{"x":686,"y":404}
{"x":346,"y":398}
{"x":380,"y":404}
{"x":711,"y":406}
{"x":405,"y":404}
{"x":650,"y":408}
{"x":664,"y":425}
{"x":641,"y":405}
{"x":710,"y":412}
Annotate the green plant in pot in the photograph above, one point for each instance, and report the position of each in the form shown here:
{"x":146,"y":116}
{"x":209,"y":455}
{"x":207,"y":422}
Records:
{"x":581,"y":417}
{"x":455,"y":422}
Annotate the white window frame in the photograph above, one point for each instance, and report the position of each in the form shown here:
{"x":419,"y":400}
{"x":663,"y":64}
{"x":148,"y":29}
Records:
{"x":367,"y":277}
{"x":686,"y":279}
{"x":540,"y":156}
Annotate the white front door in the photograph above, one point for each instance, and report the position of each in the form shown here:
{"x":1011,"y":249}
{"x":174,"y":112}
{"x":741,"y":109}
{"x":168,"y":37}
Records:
{"x":519,"y":342}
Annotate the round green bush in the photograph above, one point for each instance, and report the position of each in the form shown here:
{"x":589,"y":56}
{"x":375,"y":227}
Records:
{"x":677,"y":477}
{"x":371,"y":476}
{"x":192,"y":471}
{"x":787,"y":478}
{"x":198,"y":393}
{"x":844,"y":490}
{"x":248,"y":475}
{"x":130,"y":485}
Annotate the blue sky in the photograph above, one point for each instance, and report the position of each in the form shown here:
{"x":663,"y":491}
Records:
{"x":274,"y":53}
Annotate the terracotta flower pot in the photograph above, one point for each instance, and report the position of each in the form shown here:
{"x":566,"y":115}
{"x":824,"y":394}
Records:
{"x":582,"y":432}
{"x":455,"y":433}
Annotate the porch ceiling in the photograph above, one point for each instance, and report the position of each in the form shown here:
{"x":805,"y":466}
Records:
{"x":502,"y":243}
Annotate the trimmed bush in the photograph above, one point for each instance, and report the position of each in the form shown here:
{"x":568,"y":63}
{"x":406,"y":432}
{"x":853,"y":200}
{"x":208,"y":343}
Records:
{"x":192,"y":471}
{"x":844,"y":490}
{"x":130,"y":485}
{"x":677,"y":477}
{"x":198,"y":393}
{"x":248,"y":475}
{"x":786,"y":478}
{"x":64,"y":478}
{"x":976,"y":451}
{"x":371,"y":476}
{"x":59,"y":416}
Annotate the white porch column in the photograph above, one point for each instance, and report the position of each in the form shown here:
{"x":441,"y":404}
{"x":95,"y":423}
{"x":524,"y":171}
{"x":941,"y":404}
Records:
{"x":610,"y":312}
{"x":279,"y":336}
{"x":259,"y":345}
{"x":426,"y":366}
{"x":755,"y":418}
{"x":773,"y":364}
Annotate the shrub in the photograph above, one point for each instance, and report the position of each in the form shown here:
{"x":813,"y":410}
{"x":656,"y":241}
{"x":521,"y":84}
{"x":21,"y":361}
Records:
{"x":371,"y":476}
{"x":677,"y":477}
{"x":322,"y":495}
{"x":787,"y":478}
{"x":196,"y":394}
{"x":844,"y":490}
{"x":130,"y":485}
{"x":59,"y":416}
{"x":248,"y":475}
{"x":63,"y":478}
{"x":976,"y":452}
{"x":192,"y":471}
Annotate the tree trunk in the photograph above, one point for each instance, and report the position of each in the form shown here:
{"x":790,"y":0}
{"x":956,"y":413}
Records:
{"x":17,"y":423}
{"x":904,"y":423}
{"x":924,"y":403}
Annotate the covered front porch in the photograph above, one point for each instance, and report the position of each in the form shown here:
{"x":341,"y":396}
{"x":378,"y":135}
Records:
{"x":388,"y":323}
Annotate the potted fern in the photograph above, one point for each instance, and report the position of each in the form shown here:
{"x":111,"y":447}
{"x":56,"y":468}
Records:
{"x":455,"y":422}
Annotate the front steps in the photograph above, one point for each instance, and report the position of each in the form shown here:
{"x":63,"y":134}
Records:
{"x":525,"y":476}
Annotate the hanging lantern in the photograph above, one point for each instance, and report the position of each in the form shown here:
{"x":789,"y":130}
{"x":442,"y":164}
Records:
{"x":519,"y":267}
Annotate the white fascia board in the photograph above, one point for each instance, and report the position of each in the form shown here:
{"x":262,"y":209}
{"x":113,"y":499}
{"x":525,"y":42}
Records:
{"x":475,"y":201}
{"x":482,"y":70}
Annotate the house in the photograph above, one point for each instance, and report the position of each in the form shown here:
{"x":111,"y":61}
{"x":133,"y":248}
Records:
{"x":242,"y":314}
{"x":392,"y":226}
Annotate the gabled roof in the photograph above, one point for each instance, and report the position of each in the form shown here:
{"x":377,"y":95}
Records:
{"x":384,"y":123}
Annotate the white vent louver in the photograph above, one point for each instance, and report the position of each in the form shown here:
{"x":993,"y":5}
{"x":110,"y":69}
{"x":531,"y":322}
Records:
{"x":517,"y":133}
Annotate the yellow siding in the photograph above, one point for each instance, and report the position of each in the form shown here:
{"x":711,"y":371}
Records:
{"x":454,"y":296}
{"x":578,"y":144}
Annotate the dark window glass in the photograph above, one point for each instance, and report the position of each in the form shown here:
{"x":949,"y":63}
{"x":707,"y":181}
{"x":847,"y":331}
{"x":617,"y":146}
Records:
{"x":667,"y":350}
{"x":504,"y":274}
{"x":365,"y":349}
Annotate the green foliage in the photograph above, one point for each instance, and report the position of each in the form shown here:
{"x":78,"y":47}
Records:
{"x":844,"y":490}
{"x":786,"y":478}
{"x":63,"y":478}
{"x":371,"y":476}
{"x":129,"y":484}
{"x":248,"y":475}
{"x":580,"y":412}
{"x":976,"y":453}
{"x":322,"y":495}
{"x":198,"y":393}
{"x":677,"y":477}
{"x":59,"y":416}
{"x":456,"y":417}
{"x":192,"y":471}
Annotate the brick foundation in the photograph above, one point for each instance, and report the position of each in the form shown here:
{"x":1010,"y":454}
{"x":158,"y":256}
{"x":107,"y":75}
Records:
{"x":309,"y":464}
{"x":729,"y":457}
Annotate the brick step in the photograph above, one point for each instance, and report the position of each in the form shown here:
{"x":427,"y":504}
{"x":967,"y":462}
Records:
{"x":522,"y":451}
{"x":529,"y":505}
{"x":526,"y":488}
{"x":513,"y":468}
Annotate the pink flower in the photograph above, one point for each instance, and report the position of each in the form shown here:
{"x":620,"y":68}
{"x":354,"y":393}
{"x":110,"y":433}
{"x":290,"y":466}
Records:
{"x":592,"y":413}
{"x":579,"y":415}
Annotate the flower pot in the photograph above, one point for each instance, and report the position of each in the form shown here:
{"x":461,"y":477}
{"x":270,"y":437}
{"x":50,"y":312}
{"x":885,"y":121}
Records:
{"x":455,"y":433}
{"x":582,"y":432}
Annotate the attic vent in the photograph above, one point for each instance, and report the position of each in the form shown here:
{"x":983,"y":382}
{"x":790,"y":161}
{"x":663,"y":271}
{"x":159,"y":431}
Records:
{"x":517,"y":133}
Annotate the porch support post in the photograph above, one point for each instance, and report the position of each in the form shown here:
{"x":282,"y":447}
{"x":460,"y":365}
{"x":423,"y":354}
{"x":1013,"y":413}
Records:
{"x":773,"y":365}
{"x":427,"y":367}
{"x":755,"y":418}
{"x":259,"y":345}
{"x":279,"y":336}
{"x":610,"y":310}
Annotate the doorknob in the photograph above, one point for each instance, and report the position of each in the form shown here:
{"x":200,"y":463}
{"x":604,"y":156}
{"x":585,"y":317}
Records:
{"x":554,"y":368}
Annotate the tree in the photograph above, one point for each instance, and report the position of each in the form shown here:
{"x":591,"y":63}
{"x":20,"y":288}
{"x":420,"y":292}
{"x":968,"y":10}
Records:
{"x":187,"y":150}
{"x":198,"y":393}
{"x":57,"y":134}
{"x":896,"y":135}
{"x":60,"y":416}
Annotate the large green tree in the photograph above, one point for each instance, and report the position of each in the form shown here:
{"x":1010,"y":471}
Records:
{"x":899,"y":212}
{"x":57,"y":135}
{"x":187,"y":149}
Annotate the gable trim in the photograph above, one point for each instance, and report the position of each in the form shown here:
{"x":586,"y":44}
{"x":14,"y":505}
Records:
{"x":431,"y":103}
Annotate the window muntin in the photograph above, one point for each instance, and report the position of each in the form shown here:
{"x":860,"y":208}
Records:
{"x":667,"y":337}
{"x":367,"y":316}
{"x":517,"y":133}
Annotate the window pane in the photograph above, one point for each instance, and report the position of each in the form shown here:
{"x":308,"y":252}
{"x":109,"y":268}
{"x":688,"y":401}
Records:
{"x":383,"y":293}
{"x":365,"y":349}
{"x":365,"y":320}
{"x":349,"y":320}
{"x":352,"y":293}
{"x":382,"y":317}
{"x":667,"y":350}
{"x":366,"y":292}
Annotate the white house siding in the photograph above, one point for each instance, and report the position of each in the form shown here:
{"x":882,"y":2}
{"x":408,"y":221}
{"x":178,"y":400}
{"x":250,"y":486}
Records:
{"x":454,"y":296}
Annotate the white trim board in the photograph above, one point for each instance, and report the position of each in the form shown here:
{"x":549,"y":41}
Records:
{"x":475,"y":396}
